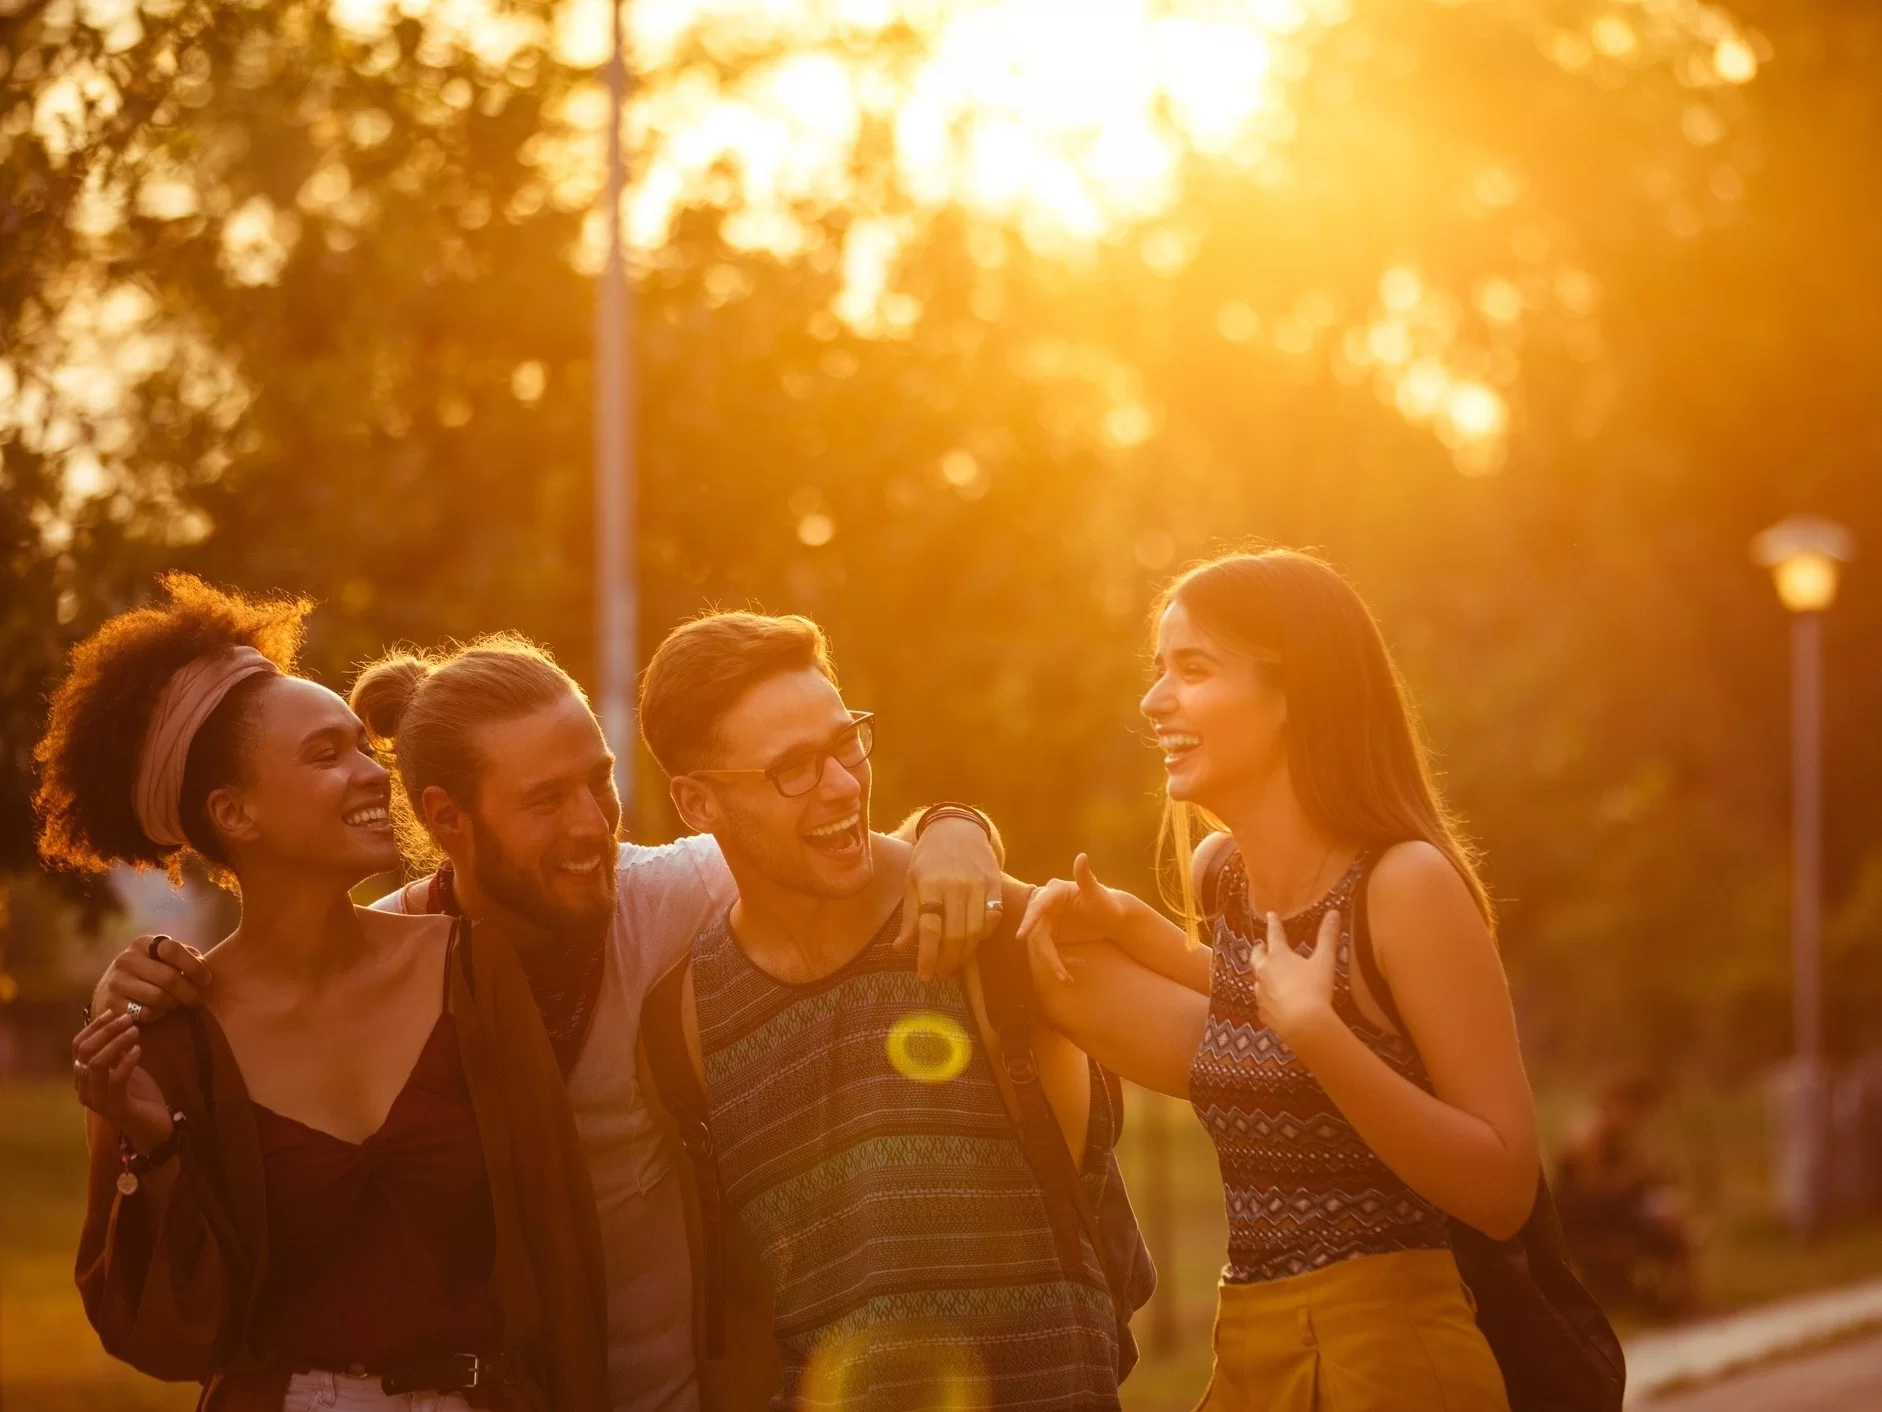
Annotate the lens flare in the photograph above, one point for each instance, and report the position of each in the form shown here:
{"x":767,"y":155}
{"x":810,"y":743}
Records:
{"x":928,"y":1372}
{"x":929,"y":1047}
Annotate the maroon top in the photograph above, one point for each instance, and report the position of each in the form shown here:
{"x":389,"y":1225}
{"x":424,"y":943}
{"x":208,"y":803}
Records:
{"x":380,"y":1252}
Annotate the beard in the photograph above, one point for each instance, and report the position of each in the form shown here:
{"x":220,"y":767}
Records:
{"x":530,"y":894}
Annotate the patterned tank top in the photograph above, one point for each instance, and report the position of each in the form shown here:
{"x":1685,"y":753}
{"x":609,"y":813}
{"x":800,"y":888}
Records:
{"x":1303,"y":1189}
{"x":866,"y":1151}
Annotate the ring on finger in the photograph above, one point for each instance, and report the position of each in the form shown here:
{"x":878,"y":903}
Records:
{"x":134,"y":1009}
{"x":80,"y":1070}
{"x":931,"y":909}
{"x":994,"y":904}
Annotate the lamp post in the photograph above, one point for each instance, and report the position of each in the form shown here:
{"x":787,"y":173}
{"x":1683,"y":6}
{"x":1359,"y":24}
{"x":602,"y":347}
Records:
{"x":616,"y":610}
{"x":1805,"y":555}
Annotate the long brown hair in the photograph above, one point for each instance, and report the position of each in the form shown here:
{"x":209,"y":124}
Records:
{"x":1355,"y":752}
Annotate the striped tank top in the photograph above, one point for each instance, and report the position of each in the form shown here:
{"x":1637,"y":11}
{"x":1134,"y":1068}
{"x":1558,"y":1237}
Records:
{"x":1303,"y":1189}
{"x":865,"y":1150}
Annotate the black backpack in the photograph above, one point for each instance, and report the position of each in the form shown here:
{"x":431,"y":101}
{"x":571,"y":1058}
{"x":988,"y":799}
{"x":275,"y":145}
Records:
{"x":1556,"y":1349}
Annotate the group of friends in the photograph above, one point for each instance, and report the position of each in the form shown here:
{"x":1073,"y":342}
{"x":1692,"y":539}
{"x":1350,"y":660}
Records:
{"x":791,"y":1112}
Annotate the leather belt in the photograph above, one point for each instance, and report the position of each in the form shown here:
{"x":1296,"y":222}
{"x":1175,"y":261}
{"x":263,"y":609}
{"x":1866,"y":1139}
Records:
{"x":448,"y":1372}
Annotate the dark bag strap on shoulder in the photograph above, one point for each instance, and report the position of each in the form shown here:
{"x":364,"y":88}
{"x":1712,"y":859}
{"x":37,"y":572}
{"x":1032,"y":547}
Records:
{"x":663,"y":1032}
{"x":1007,"y":993}
{"x":1551,"y":1338}
{"x":1209,"y":895}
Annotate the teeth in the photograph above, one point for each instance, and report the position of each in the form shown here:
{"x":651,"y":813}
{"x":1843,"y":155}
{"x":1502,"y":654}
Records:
{"x":1179,"y":742}
{"x":587,"y":866}
{"x":375,"y":815}
{"x":840,"y":826}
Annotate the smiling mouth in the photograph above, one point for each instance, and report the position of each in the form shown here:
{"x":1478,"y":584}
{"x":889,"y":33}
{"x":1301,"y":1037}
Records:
{"x":373,"y":816}
{"x":1177,"y":745}
{"x":839,"y":838}
{"x":580,"y":869}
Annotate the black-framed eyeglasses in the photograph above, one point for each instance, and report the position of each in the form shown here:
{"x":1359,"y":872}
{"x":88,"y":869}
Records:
{"x":802,"y":770}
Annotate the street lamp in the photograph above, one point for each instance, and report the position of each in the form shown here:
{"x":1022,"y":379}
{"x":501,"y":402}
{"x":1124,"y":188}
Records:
{"x":1805,"y":554}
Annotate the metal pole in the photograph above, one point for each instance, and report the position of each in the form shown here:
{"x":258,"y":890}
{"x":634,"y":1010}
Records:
{"x":616,"y":609}
{"x":1807,"y":902}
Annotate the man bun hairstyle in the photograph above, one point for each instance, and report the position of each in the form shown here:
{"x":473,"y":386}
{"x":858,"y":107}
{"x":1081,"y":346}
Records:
{"x":101,"y":714}
{"x":385,"y":691}
{"x":424,"y":707}
{"x":706,"y":666}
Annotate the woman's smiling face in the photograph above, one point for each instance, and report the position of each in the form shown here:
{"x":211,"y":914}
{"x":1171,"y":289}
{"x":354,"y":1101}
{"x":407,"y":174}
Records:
{"x":1220,"y":713}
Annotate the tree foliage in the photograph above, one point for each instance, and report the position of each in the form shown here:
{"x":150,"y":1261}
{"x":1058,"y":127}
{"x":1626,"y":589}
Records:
{"x":1528,"y":321}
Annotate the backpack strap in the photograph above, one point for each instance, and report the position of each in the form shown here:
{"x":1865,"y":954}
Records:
{"x":1006,"y":988}
{"x":1209,"y":886}
{"x":1363,"y":954}
{"x":664,"y":1034}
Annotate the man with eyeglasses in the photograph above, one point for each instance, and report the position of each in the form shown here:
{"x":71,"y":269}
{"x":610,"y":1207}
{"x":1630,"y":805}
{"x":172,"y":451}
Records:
{"x":511,"y":778}
{"x":842,"y":1116}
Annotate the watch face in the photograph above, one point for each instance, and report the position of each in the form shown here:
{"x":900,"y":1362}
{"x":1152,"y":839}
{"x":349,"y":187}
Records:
{"x":127,"y":1182}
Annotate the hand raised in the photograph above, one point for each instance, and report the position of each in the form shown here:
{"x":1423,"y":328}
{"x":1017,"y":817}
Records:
{"x":1294,"y":993}
{"x":110,"y":1080}
{"x":1072,"y":912}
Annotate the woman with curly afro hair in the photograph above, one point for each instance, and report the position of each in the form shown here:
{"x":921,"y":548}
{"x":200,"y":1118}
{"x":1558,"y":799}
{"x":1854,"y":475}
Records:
{"x":350,"y":1178}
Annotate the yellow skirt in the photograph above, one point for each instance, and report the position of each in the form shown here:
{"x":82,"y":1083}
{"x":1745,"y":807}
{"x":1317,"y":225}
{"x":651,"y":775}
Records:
{"x":1381,"y":1333}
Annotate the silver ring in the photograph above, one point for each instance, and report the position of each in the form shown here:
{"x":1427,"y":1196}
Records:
{"x":80,"y":1069}
{"x":133,"y":1009}
{"x":994,"y":904}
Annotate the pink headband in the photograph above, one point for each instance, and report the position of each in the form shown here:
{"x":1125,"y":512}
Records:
{"x":193,"y":691}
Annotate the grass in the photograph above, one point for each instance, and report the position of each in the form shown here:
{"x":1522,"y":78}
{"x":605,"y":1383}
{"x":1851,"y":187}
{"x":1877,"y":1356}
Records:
{"x":50,"y":1361}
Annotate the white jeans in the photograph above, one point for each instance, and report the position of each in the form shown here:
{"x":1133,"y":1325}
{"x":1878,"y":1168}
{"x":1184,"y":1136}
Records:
{"x":342,"y":1392}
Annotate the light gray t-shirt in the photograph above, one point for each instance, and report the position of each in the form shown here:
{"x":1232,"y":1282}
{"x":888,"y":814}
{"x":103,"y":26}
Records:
{"x":665,"y":896}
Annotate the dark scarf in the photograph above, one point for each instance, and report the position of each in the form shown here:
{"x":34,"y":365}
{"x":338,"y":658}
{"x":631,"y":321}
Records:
{"x":565,"y":979}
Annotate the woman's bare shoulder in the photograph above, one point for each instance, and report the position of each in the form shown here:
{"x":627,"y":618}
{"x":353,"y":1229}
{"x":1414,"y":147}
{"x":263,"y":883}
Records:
{"x":1416,"y":893}
{"x":1211,"y":851}
{"x":414,"y":936}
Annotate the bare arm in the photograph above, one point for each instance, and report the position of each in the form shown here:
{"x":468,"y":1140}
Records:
{"x":1470,"y":1147}
{"x":1135,"y":1022}
{"x":1077,"y":911}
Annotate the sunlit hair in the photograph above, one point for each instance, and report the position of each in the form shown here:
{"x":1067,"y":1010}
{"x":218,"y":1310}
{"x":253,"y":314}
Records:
{"x":703,"y":669}
{"x":1356,"y":756}
{"x":101,"y":713}
{"x":425,"y":707}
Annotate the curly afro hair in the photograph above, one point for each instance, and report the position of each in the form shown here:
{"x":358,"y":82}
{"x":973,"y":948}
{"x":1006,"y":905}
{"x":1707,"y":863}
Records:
{"x":101,"y":713}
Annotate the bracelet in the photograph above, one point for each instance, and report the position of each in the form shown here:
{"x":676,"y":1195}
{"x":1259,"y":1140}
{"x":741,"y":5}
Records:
{"x":135,"y":1164}
{"x":936,"y":812}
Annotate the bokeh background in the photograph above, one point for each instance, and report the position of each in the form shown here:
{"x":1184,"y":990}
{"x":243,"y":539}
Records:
{"x":961,"y":326}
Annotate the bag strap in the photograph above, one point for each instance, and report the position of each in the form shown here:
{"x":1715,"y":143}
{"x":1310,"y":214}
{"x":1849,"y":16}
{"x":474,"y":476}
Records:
{"x":1006,"y":989}
{"x":1209,"y":891}
{"x":664,"y":1033}
{"x":1363,"y":954}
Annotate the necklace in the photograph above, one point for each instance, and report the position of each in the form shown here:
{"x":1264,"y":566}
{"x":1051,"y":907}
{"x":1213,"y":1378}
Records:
{"x":1313,"y":882}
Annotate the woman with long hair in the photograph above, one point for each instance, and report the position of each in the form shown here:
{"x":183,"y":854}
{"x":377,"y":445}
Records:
{"x":350,"y":1178}
{"x":1347,"y":1040}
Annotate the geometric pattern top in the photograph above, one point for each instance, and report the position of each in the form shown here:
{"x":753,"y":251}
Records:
{"x":1303,"y":1189}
